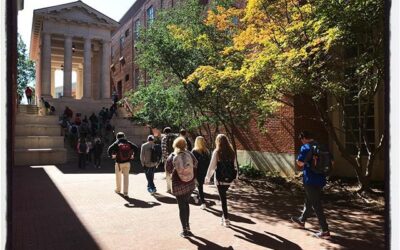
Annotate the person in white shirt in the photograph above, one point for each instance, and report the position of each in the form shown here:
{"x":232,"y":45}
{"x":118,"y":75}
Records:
{"x":223,"y":163}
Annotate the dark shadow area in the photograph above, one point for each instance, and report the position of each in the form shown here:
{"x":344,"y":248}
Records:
{"x":41,"y":217}
{"x":107,"y":167}
{"x":164,"y":199}
{"x":277,"y":202}
{"x":203,"y":244}
{"x":232,"y":216}
{"x":264,"y":240}
{"x":135,"y":203}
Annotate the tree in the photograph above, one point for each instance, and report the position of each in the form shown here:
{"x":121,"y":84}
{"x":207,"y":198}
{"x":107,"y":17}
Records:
{"x":25,"y":67}
{"x":175,"y":45}
{"x":316,"y":48}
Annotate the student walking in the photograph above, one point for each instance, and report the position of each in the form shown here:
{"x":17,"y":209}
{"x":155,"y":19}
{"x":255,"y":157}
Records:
{"x":83,"y":150}
{"x":28,"y":94}
{"x":313,"y":184}
{"x":149,"y":161}
{"x":182,"y":165}
{"x":166,"y":145}
{"x":182,"y":133}
{"x":223,"y":163}
{"x":123,"y":152}
{"x":202,"y":154}
{"x":97,"y":152}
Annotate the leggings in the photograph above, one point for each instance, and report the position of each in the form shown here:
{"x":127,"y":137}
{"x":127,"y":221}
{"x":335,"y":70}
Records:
{"x":222,"y":196}
{"x":184,"y":212}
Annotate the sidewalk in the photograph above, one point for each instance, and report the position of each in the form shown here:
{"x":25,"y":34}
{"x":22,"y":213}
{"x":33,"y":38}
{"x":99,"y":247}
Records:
{"x":60,"y":207}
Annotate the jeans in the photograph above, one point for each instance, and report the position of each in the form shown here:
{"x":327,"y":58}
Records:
{"x":97,"y":160}
{"x":82,"y":160}
{"x":150,"y":176}
{"x":222,"y":196}
{"x":201,"y":191}
{"x":313,"y":202}
{"x":184,"y":212}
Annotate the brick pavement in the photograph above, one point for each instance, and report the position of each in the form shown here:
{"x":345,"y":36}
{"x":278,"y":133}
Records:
{"x":64,"y":208}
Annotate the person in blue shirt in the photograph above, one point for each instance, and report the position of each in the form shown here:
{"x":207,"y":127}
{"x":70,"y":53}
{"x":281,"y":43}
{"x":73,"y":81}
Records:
{"x":313,"y":185}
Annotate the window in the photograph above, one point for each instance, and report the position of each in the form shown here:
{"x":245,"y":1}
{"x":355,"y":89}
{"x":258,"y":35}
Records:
{"x":161,"y":4}
{"x":137,"y":77}
{"x":126,"y":77}
{"x":127,"y":33}
{"x":172,"y":3}
{"x":121,"y":42}
{"x":354,"y":110}
{"x":137,"y":29}
{"x":150,"y":15}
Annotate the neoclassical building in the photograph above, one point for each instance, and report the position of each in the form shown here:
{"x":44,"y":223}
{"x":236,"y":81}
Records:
{"x":72,"y":37}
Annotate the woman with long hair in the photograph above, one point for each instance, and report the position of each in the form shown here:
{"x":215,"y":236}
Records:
{"x":223,"y":163}
{"x":202,"y":154}
{"x":182,"y":165}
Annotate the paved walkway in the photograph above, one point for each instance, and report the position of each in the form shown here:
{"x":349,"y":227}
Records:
{"x":60,"y":207}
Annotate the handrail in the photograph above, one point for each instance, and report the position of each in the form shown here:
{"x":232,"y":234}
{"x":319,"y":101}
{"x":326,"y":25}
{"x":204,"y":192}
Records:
{"x":127,"y":105}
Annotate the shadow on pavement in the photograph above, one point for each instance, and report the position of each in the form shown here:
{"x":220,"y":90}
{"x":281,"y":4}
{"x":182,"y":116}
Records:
{"x":164,"y":199}
{"x":268,"y":240}
{"x":135,"y":203}
{"x":232,"y":216}
{"x":41,"y":217}
{"x":276,"y":203}
{"x":203,"y":244}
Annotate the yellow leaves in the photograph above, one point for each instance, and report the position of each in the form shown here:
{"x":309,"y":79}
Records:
{"x":207,"y":76}
{"x":223,"y":18}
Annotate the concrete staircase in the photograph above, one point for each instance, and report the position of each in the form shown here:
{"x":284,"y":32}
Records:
{"x":28,"y":109}
{"x":134,"y":133}
{"x":38,"y":139}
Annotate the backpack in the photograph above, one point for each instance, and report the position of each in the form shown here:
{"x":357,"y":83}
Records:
{"x":156,"y":153}
{"x":169,"y":142}
{"x":183,"y":164}
{"x":226,"y":171}
{"x":82,"y":148}
{"x":321,"y":159}
{"x":125,"y":152}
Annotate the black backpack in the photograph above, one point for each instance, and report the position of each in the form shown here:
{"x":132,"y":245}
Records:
{"x":226,"y":171}
{"x":169,"y":143}
{"x":82,"y":147}
{"x":321,"y":158}
{"x":156,"y":153}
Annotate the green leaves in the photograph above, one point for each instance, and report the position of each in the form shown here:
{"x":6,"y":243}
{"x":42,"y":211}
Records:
{"x":25,"y":67}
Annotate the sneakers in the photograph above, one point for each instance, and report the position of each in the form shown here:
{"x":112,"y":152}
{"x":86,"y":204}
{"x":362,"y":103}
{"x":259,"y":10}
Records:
{"x":126,"y":195}
{"x":151,"y":190}
{"x":225,"y":222}
{"x":298,"y":222}
{"x":323,"y":235}
{"x":203,"y":206}
{"x":196,"y":199}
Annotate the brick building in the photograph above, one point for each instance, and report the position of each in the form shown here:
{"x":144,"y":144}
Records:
{"x":272,"y":151}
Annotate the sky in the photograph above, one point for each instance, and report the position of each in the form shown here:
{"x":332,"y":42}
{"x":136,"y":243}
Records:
{"x":114,"y":9}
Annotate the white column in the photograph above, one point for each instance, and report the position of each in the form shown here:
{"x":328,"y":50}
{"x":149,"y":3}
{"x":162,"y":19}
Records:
{"x":53,"y":83}
{"x":46,"y":65}
{"x":105,"y":70}
{"x":87,"y":69}
{"x":67,"y":89}
{"x":79,"y":84}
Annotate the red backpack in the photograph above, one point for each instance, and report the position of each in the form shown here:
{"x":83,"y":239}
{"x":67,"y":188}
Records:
{"x":125,"y":152}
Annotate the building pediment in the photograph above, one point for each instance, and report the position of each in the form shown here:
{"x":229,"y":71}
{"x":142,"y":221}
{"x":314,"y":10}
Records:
{"x":76,"y":12}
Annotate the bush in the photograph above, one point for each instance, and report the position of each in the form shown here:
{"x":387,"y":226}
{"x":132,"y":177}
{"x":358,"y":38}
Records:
{"x":250,"y":171}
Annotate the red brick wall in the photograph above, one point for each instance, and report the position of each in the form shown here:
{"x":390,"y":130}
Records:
{"x":277,"y":137}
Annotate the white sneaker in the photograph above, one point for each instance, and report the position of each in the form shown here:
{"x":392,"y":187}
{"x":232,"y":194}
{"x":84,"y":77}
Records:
{"x":225,"y":222}
{"x":203,"y":206}
{"x":196,"y":200}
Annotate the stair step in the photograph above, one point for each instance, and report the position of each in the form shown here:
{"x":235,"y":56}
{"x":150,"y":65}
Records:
{"x":23,"y":157}
{"x":37,"y":130}
{"x":23,"y":118}
{"x":26,"y":142}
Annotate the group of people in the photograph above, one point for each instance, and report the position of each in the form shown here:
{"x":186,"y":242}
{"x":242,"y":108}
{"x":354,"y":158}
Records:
{"x":185,"y":169}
